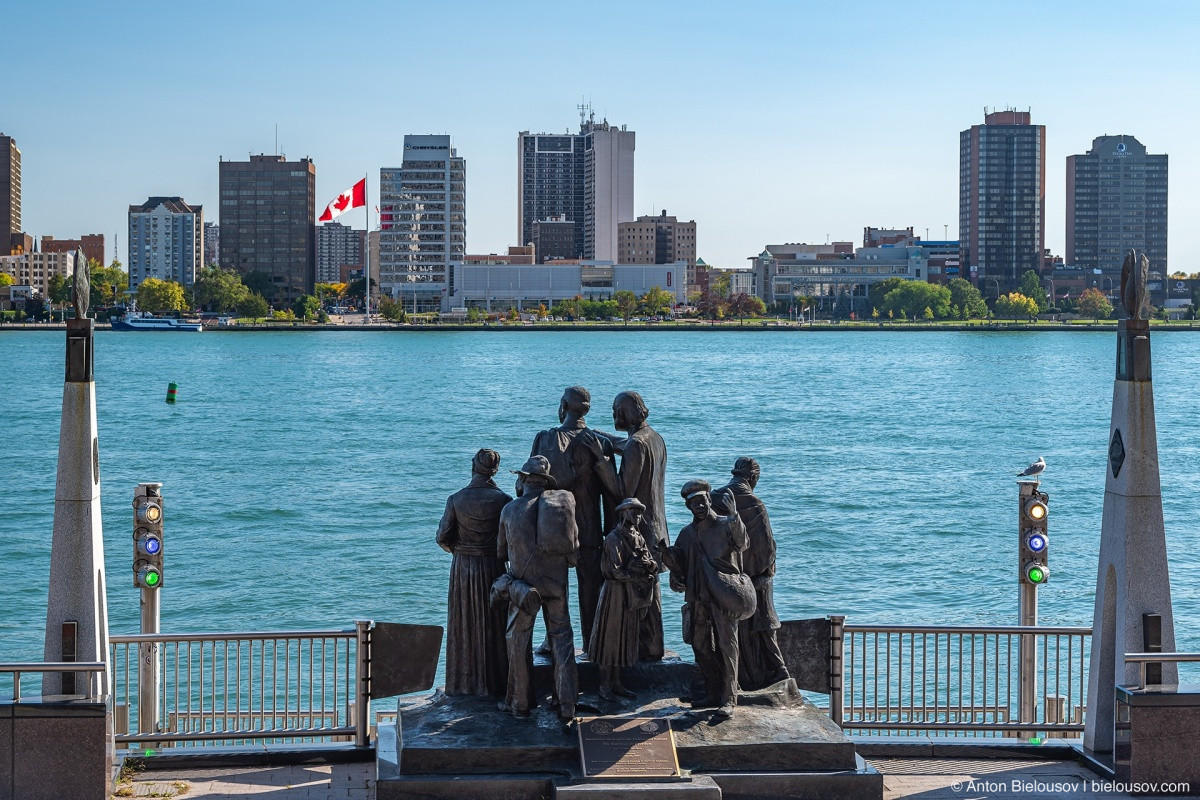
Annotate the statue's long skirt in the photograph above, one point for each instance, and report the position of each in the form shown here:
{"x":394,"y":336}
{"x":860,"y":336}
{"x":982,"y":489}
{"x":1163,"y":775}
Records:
{"x":476,"y":660}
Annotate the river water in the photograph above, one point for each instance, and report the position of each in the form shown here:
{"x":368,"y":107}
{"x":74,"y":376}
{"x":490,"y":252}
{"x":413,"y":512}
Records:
{"x":304,"y":473}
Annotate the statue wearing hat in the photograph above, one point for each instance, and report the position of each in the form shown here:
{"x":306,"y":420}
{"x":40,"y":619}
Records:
{"x":476,"y":661}
{"x":630,"y":573}
{"x":760,"y":661}
{"x":539,"y":539}
{"x":706,"y":564}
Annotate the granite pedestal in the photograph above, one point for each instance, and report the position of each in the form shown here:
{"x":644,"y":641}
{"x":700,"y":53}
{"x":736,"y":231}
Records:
{"x":55,"y":747}
{"x":1157,"y":729}
{"x":776,"y":744}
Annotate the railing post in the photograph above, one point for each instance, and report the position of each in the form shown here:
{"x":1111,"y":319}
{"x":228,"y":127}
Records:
{"x":362,"y":705}
{"x":837,"y":624}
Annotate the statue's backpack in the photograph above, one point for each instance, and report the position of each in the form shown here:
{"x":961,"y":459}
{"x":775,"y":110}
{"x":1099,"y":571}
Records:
{"x":557,"y":533}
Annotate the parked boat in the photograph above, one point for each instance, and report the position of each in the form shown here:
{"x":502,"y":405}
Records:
{"x":141,"y":321}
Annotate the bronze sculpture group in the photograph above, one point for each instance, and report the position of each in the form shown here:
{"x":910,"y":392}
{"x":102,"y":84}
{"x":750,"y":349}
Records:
{"x":512,"y":558}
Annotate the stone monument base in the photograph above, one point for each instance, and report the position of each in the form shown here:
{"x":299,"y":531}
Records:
{"x":776,"y":745}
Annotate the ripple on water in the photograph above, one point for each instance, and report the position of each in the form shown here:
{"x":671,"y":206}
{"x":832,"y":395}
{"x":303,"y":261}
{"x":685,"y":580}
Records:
{"x":305,"y":475}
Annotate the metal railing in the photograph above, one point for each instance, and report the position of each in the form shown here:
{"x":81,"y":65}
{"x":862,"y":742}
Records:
{"x":234,"y":688}
{"x":1143,"y":660}
{"x":956,"y":680}
{"x":17,"y":668}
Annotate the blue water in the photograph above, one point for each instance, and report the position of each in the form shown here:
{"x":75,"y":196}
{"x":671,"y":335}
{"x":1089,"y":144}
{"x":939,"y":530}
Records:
{"x":304,"y":474}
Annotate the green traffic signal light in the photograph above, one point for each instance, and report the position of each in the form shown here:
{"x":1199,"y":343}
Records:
{"x":1037,"y":573}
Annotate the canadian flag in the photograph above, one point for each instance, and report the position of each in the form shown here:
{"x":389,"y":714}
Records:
{"x":354,"y":197}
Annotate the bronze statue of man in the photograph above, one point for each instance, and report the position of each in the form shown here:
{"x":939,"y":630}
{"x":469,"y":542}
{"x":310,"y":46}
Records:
{"x":643,"y":475}
{"x":476,"y":661}
{"x":579,"y":467}
{"x":706,"y":561}
{"x":760,"y":661}
{"x":539,"y":540}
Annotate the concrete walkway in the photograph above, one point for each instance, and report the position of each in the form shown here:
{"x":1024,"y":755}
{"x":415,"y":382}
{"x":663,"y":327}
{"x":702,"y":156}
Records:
{"x":916,"y":778}
{"x":308,"y":782}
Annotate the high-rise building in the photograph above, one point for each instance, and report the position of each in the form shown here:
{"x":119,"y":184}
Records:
{"x":585,"y":177}
{"x":166,"y":241}
{"x":1116,"y":201}
{"x":92,"y":245}
{"x":268,"y":213}
{"x":422,"y":222}
{"x":212,"y":243}
{"x":658,"y":240}
{"x":1001,"y":198}
{"x":338,"y":246}
{"x":10,"y":193}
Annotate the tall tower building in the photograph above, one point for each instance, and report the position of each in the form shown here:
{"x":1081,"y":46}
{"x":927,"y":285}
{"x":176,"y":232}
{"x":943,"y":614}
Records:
{"x":586,"y":178}
{"x":338,"y":246}
{"x":10,"y":192}
{"x":422,"y":222}
{"x":1001,"y":198}
{"x":268,"y":221}
{"x":1116,"y":201}
{"x":166,"y":241}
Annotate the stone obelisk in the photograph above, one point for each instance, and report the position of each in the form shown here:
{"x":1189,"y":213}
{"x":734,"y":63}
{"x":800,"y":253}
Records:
{"x":1132,"y":578}
{"x":77,"y":589}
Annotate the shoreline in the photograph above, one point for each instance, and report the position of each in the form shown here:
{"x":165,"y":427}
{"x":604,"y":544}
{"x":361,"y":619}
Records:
{"x":849,"y":327}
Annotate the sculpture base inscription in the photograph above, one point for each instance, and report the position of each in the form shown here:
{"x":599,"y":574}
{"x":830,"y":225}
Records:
{"x":627,"y":747}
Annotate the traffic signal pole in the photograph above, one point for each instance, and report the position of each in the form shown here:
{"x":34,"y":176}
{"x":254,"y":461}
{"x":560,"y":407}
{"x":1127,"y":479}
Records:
{"x":147,"y":567}
{"x":1034,"y":570}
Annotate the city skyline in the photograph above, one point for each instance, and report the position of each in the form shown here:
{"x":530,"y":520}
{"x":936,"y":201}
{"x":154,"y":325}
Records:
{"x":758,"y":137}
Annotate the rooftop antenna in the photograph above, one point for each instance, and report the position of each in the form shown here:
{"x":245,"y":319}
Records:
{"x":946,"y":232}
{"x":582,"y":113}
{"x":827,"y":238}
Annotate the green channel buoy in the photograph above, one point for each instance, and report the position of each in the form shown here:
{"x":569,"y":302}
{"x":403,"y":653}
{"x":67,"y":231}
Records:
{"x":171,"y":387}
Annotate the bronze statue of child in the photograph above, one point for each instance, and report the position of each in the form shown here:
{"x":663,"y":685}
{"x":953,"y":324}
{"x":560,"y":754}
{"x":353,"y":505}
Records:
{"x":630,"y":573}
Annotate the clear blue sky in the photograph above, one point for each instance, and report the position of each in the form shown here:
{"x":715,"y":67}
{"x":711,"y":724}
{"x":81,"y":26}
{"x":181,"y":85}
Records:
{"x":764,"y":121}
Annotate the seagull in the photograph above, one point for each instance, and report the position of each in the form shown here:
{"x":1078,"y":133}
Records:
{"x":1034,"y":470}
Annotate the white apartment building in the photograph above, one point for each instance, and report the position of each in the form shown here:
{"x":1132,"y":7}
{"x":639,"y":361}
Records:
{"x":36,"y":269}
{"x":422,"y":222}
{"x":166,"y":241}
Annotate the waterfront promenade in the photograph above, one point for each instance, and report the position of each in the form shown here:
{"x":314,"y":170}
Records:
{"x":903,"y":779}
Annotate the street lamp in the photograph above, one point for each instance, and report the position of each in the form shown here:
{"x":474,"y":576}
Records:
{"x":995,"y":281}
{"x":1110,"y":285}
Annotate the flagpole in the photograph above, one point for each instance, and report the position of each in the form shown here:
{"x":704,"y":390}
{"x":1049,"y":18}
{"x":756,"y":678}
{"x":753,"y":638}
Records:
{"x":367,"y":254}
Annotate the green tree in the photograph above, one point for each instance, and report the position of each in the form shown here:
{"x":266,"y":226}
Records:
{"x":1031,"y":287}
{"x":473,"y":314}
{"x":912,"y":297}
{"x":877,"y":291}
{"x":306,"y":307}
{"x":967,"y":299}
{"x":1092,"y":303}
{"x":928,"y":313}
{"x":626,"y":303}
{"x":253,"y":306}
{"x":108,"y":283}
{"x":259,"y":282}
{"x":393,"y":311}
{"x":154,"y":296}
{"x":1016,"y":305}
{"x":658,"y":301}
{"x":284,"y":315}
{"x":218,"y":289}
{"x":6,"y":279}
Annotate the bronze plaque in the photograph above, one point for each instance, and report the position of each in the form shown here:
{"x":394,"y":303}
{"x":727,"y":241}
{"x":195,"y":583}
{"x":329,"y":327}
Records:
{"x":627,"y":747}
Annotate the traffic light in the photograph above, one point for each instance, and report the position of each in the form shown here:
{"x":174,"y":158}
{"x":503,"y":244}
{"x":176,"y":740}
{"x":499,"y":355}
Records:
{"x":148,"y":536}
{"x":1035,"y":541}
